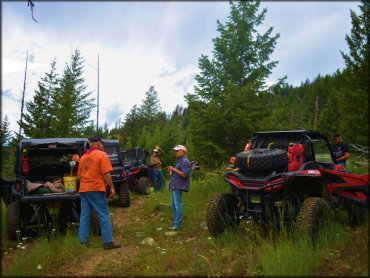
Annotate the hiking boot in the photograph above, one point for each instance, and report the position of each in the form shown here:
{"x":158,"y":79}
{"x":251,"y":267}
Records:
{"x":173,"y":228}
{"x":111,"y":245}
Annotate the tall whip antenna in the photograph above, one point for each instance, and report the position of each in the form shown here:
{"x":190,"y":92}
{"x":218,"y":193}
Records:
{"x":97,"y":114}
{"x":24,"y":91}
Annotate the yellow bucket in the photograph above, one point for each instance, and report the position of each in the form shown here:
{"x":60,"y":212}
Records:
{"x":70,"y":184}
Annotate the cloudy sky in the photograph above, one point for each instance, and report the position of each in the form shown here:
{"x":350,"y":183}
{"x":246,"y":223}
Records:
{"x":143,"y":44}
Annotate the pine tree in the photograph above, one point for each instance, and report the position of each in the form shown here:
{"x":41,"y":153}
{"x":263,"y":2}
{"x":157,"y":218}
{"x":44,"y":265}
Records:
{"x":232,"y":96}
{"x":38,"y":118}
{"x":355,"y":99}
{"x":150,"y":106}
{"x":171,"y":136}
{"x":144,"y":138}
{"x":148,"y":115}
{"x":8,"y":148}
{"x":72,"y":104}
{"x":131,"y":127}
{"x":5,"y":133}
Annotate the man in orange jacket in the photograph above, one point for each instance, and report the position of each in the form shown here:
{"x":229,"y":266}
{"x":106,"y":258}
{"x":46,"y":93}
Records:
{"x":94,"y":174}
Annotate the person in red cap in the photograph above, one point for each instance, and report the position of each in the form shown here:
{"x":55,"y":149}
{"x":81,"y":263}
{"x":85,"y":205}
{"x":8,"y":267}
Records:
{"x":340,"y":149}
{"x":94,"y":174}
{"x":180,"y":182}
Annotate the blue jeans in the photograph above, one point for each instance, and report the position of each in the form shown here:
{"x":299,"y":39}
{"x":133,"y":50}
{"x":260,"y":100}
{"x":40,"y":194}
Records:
{"x":176,"y":204}
{"x":343,"y":163}
{"x":157,"y":176}
{"x":94,"y":200}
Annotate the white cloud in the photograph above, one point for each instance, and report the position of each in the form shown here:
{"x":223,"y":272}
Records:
{"x":125,"y":75}
{"x":154,"y":43}
{"x":11,"y":66}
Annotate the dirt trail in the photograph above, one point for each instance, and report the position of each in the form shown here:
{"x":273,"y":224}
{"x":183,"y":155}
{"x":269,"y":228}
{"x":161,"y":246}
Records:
{"x":94,"y":264}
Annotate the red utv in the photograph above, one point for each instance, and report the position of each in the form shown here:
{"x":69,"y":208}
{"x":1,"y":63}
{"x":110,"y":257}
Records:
{"x":288,"y":177}
{"x":137,"y":172}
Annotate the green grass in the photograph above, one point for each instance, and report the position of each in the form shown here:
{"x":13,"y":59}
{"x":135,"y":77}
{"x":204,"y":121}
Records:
{"x":247,"y":251}
{"x":288,"y":258}
{"x":289,"y":254}
{"x":244,"y":252}
{"x":357,"y":168}
{"x":5,"y":243}
{"x":46,"y":256}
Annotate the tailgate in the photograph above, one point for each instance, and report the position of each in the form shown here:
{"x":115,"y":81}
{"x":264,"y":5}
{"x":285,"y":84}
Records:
{"x":51,"y":197}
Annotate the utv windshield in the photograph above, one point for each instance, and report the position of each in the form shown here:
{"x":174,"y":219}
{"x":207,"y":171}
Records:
{"x":141,"y":155}
{"x":112,"y":153}
{"x":130,"y":155}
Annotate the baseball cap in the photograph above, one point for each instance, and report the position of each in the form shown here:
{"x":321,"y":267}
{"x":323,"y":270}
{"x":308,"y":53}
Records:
{"x":336,"y":135}
{"x":155,"y":150}
{"x":95,"y":139}
{"x":179,"y":147}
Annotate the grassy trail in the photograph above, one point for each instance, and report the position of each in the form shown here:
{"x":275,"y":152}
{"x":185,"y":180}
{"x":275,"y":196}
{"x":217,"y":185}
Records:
{"x":102,"y":262}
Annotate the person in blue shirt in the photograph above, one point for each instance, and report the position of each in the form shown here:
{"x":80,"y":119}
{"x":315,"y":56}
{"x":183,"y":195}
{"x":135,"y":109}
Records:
{"x":340,"y":149}
{"x":194,"y":167}
{"x":180,"y":182}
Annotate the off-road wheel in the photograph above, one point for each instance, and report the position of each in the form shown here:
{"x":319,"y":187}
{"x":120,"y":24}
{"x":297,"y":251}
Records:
{"x":222,"y":213}
{"x":312,"y":216}
{"x":262,"y":160}
{"x":13,"y":220}
{"x":143,"y":185}
{"x":123,"y":195}
{"x":95,"y":223}
{"x":356,"y":214}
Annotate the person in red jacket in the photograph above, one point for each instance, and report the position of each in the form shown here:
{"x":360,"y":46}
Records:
{"x":94,"y":174}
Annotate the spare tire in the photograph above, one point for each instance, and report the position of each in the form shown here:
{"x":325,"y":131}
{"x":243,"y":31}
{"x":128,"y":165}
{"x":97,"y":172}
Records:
{"x":123,"y":195}
{"x":262,"y":160}
{"x":13,"y":220}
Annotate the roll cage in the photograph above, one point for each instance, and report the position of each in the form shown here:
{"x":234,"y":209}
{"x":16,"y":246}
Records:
{"x":282,"y":139}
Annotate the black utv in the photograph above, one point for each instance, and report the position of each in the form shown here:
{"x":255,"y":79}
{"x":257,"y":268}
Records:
{"x":37,"y":197}
{"x":113,"y":150}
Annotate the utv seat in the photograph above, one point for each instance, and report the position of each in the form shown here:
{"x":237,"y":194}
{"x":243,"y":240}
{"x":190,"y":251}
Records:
{"x":307,"y":157}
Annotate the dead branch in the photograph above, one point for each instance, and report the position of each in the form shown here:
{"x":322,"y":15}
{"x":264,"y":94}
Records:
{"x":360,"y":149}
{"x":31,"y":5}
